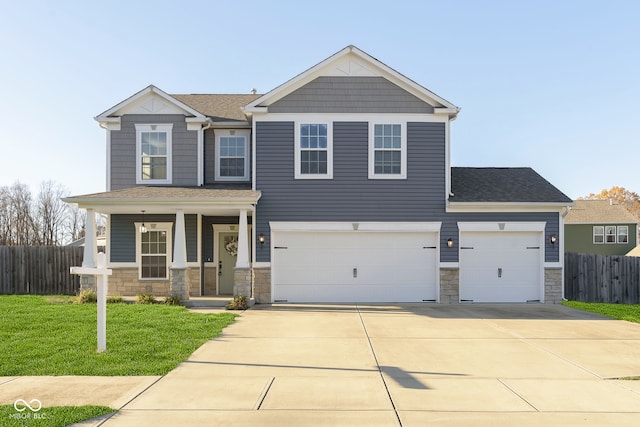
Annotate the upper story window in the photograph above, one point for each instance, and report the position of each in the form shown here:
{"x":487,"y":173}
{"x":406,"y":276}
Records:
{"x":153,"y":153}
{"x":314,"y":151}
{"x":232,"y":155}
{"x":610,"y":234}
{"x":623,"y":234}
{"x":387,"y":151}
{"x":598,"y":234}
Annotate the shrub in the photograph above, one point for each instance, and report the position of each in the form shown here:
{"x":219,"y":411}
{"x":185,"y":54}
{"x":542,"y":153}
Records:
{"x":114,"y":299}
{"x":174,"y":299}
{"x":145,"y":299}
{"x":86,"y":296}
{"x":238,"y":303}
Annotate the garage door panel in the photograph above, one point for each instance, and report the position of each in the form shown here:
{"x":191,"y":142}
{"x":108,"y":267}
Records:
{"x":500,"y":267}
{"x":354,"y":266}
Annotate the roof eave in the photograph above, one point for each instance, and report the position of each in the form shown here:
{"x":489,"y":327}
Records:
{"x":507,"y":206}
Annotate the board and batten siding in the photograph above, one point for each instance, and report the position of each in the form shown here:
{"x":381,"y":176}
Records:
{"x":342,"y":94}
{"x":350,"y":195}
{"x":123,"y":150}
{"x":123,"y":235}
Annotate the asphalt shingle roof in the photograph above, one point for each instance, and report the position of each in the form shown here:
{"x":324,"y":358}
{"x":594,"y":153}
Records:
{"x":599,"y":211}
{"x":503,"y":185}
{"x":219,"y":107}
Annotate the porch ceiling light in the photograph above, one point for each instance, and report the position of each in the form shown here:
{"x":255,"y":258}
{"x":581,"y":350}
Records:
{"x":143,"y":228}
{"x":450,"y":242}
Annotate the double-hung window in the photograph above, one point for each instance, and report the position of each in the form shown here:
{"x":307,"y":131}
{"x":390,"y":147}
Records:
{"x":623,"y":234}
{"x":387,"y":151}
{"x":598,"y":234}
{"x":610,"y":234}
{"x":154,"y":251}
{"x":232,"y":155}
{"x":314,"y":151}
{"x":153,"y":154}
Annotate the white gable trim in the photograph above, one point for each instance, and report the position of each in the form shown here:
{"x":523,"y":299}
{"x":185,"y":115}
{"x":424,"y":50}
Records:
{"x":352,"y":61}
{"x":108,"y":116}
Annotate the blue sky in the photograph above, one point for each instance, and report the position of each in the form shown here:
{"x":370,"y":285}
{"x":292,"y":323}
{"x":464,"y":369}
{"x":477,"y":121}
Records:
{"x":548,"y":84}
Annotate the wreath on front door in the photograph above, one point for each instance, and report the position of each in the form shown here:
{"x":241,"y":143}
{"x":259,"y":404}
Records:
{"x":231,"y":246}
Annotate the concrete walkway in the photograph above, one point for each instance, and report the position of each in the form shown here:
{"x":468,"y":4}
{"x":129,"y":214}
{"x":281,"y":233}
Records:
{"x":408,"y":365}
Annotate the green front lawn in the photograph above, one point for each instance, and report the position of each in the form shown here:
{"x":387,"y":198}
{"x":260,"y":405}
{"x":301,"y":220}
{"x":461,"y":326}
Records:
{"x":48,"y":336}
{"x":628,"y":312}
{"x":58,"y":416}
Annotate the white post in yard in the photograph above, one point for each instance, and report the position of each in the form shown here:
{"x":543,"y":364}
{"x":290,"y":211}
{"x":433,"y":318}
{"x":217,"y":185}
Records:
{"x":101,"y":273}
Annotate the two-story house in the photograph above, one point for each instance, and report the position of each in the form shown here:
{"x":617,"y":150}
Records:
{"x":600,"y":227}
{"x":336,"y":186}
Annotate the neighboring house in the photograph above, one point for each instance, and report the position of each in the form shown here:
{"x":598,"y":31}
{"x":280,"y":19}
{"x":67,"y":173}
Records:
{"x":336,"y":186}
{"x":600,"y":227}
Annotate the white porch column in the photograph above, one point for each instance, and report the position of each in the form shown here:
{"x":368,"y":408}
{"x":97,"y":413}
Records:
{"x":90,"y":246}
{"x":180,"y":243}
{"x":242,"y":261}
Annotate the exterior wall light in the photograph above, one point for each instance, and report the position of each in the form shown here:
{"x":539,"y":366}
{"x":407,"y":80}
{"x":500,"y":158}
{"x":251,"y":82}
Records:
{"x":261,"y":240}
{"x":143,"y":228}
{"x":450,"y":242}
{"x":553,"y":239}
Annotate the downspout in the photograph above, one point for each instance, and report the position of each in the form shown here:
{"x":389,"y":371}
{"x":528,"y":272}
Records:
{"x":108,"y":155}
{"x":201,"y":151}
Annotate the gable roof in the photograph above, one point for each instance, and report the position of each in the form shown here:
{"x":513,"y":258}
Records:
{"x":352,"y":61}
{"x":503,"y":185}
{"x":114,"y":112}
{"x":599,"y":211}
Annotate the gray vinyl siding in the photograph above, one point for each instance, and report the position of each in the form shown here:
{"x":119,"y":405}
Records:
{"x":350,"y":195}
{"x":337,"y":94}
{"x":123,"y":235}
{"x":123,"y":150}
{"x":450,"y":221}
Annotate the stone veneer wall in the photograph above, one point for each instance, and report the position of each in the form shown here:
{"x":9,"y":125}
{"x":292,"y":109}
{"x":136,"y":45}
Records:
{"x":553,"y":285}
{"x":125,"y":282}
{"x":449,"y":285}
{"x":262,"y":285}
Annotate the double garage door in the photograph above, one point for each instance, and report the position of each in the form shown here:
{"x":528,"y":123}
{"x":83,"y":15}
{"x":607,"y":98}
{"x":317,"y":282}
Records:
{"x":359,"y":263}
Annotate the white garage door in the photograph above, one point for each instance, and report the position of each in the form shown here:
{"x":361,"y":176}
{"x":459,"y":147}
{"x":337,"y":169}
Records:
{"x":500,"y":267}
{"x":354,"y":266}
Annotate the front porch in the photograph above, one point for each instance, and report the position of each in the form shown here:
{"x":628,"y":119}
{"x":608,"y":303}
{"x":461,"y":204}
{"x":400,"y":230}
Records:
{"x":191,"y":242}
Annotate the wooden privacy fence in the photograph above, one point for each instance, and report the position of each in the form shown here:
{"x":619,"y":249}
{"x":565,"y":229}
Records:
{"x":39,"y":270}
{"x":600,"y":278}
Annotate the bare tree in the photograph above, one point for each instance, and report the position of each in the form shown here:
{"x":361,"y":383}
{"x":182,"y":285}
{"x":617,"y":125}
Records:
{"x":52,"y":213}
{"x":76,"y":223}
{"x":21,"y":229}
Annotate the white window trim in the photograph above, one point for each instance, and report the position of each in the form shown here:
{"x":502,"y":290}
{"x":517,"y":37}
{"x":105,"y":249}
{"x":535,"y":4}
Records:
{"x":403,"y":150}
{"x":329,"y":174}
{"x":626,"y":234}
{"x":594,"y":235}
{"x":157,"y":127}
{"x":231,"y":132}
{"x":154,"y":226}
{"x":615,"y":234}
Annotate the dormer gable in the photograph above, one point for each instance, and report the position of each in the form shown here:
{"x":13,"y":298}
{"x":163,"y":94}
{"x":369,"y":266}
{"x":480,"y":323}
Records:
{"x":150,"y":100}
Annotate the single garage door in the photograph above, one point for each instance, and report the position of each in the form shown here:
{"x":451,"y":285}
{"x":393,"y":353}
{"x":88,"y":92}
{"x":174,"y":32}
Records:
{"x":354,"y":266}
{"x":500,"y":267}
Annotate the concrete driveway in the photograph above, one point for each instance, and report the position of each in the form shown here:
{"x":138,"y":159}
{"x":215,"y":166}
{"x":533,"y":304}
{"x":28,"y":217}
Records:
{"x":409,"y":365}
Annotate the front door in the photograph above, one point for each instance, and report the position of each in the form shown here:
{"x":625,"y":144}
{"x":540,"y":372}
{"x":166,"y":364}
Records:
{"x":227,"y":254}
